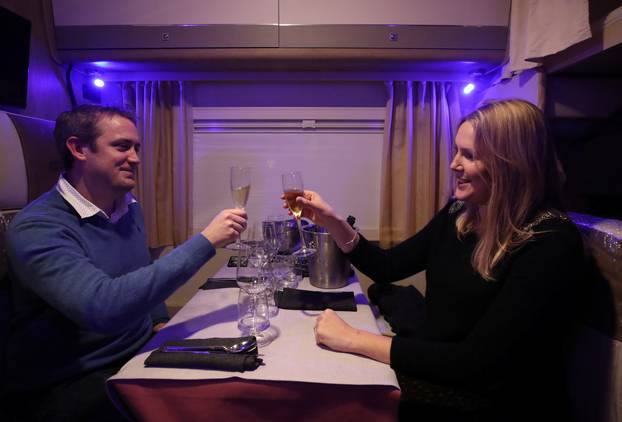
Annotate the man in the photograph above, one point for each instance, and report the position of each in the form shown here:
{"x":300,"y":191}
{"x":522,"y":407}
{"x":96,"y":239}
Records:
{"x":86,"y":294}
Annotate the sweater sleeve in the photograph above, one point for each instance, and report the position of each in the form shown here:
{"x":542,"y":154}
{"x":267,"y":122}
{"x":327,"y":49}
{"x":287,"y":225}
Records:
{"x":50,"y":260}
{"x":400,"y":261}
{"x":532,"y":307}
{"x":159,"y":314}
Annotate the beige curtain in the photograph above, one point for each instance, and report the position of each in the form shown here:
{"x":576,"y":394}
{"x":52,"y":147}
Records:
{"x":416,"y":180}
{"x":539,"y":28}
{"x":164,"y":120}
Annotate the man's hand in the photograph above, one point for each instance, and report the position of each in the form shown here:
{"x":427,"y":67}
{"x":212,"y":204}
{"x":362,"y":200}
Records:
{"x":226,"y":227}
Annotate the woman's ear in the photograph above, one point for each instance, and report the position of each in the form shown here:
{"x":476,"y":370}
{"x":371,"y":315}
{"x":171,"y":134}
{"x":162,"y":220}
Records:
{"x":76,"y":147}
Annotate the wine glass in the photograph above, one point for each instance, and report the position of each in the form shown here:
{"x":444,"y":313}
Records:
{"x":249,"y":275}
{"x":271,"y":245}
{"x":258,"y":255}
{"x":240,"y":179}
{"x":283,"y":271}
{"x":292,"y":189}
{"x":253,"y":314}
{"x":271,"y":239}
{"x":253,"y":310}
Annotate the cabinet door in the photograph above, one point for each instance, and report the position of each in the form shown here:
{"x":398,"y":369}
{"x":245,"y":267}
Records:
{"x":165,"y":24}
{"x":400,"y":12}
{"x":424,"y":24}
{"x":165,"y":12}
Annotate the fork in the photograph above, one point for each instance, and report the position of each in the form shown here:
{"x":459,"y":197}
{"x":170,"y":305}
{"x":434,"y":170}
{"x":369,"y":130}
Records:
{"x":243,"y":346}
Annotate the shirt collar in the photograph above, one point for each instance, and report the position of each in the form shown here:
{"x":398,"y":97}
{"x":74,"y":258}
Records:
{"x":86,"y":208}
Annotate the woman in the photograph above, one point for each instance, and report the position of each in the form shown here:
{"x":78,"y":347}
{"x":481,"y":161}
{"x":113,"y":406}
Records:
{"x":502,"y":269}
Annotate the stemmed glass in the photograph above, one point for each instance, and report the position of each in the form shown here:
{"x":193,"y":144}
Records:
{"x":253,"y":316}
{"x":292,"y":189}
{"x":240,"y":179}
{"x":271,"y":239}
{"x":271,"y":244}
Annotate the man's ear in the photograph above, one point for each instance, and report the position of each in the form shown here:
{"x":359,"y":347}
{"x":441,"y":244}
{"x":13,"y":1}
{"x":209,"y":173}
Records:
{"x":76,"y":147}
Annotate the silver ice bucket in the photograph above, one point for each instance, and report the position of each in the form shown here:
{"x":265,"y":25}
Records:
{"x":287,"y":226}
{"x":328,"y":268}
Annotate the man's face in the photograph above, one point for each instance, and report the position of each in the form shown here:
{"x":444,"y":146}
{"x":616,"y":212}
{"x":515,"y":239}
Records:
{"x":113,"y":163}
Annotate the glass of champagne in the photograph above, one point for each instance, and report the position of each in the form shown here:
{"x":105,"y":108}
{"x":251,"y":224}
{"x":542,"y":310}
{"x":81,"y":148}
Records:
{"x":292,"y":189}
{"x":240,"y":179}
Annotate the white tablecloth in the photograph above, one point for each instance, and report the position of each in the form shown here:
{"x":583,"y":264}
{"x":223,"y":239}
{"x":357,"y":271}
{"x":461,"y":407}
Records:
{"x":292,"y":356}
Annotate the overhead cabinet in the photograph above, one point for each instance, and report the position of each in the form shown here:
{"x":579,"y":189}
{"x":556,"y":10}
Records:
{"x":161,"y":24}
{"x":165,"y":24}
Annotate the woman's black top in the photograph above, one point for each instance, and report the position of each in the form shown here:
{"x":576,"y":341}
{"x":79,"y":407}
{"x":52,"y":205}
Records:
{"x":504,"y":339}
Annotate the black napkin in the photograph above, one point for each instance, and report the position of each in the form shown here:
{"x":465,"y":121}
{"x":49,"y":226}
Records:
{"x":233,"y":261}
{"x":315,"y":301}
{"x":219,"y":360}
{"x":219,"y":283}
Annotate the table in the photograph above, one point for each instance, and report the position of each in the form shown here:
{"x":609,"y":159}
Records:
{"x":300,"y":381}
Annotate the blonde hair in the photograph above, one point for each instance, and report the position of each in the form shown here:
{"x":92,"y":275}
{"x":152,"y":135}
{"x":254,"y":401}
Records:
{"x":523,"y":176}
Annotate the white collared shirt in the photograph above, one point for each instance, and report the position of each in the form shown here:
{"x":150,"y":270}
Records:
{"x":86,"y":208}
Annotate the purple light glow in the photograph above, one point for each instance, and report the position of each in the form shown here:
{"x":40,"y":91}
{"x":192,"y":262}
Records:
{"x":98,"y":82}
{"x":468,"y":88}
{"x":102,"y":64}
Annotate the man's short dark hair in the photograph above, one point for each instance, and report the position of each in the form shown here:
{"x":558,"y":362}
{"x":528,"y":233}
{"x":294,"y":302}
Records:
{"x":81,"y":122}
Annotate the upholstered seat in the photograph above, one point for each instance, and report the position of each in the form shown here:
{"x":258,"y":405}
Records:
{"x":596,"y":363}
{"x":29,"y":166}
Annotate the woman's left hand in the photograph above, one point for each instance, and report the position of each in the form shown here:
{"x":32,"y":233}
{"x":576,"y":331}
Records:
{"x":332,"y":331}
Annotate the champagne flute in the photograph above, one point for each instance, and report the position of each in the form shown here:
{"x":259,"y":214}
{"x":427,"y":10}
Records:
{"x":292,"y":189}
{"x":240,"y":179}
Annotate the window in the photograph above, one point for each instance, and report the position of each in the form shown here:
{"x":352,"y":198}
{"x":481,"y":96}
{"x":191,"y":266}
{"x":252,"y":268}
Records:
{"x":337,"y":149}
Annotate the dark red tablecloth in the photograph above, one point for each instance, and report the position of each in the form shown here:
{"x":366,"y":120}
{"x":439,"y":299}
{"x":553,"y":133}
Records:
{"x":244,"y":400}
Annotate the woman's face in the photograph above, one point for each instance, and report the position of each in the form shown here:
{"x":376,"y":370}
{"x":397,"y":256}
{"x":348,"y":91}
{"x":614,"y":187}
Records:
{"x":470,"y":172}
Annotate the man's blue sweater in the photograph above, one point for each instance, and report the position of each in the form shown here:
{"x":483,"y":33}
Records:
{"x":85,"y":290}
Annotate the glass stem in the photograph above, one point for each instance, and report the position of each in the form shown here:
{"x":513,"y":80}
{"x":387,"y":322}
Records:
{"x":238,"y":241}
{"x":254,"y":314}
{"x":302,"y":238}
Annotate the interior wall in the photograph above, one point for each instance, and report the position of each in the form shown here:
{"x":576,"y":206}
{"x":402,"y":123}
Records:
{"x":341,"y":153}
{"x":47,"y":96}
{"x":289,"y":94}
{"x":283,"y":94}
{"x":527,"y":86}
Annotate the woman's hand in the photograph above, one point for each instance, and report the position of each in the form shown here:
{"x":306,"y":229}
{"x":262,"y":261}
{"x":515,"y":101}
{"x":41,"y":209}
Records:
{"x":322,"y":214}
{"x":315,"y":208}
{"x":332,"y":331}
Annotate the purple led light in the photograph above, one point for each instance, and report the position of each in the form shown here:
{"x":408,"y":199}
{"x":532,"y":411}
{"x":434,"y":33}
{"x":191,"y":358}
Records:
{"x":98,"y":82}
{"x":468,"y":88}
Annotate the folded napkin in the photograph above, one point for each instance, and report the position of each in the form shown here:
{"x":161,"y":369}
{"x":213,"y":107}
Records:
{"x":315,"y":301}
{"x":219,"y":360}
{"x":233,"y":261}
{"x":219,"y":283}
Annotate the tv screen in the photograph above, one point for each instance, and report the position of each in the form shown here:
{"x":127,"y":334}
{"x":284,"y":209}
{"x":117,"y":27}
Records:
{"x":15,"y":51}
